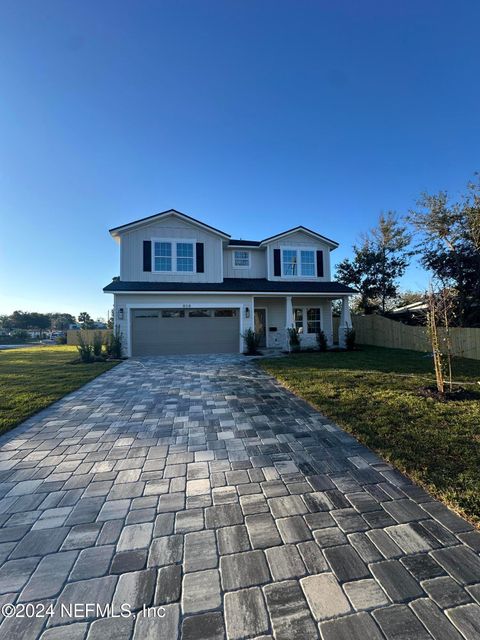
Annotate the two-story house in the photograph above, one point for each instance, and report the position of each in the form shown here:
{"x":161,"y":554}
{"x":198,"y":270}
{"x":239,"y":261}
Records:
{"x":185,"y":287}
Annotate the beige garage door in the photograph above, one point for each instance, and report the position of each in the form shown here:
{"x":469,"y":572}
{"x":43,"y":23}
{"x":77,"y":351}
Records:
{"x":183,"y":331}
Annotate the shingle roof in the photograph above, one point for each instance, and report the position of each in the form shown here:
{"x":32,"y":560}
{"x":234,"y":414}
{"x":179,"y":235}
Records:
{"x":234,"y":285}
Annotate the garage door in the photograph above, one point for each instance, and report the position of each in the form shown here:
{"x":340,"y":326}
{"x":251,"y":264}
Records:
{"x":183,"y":331}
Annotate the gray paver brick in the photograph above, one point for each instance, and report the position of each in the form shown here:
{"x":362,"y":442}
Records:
{"x":110,"y":629}
{"x":358,"y":626}
{"x":148,"y":627}
{"x":245,"y":614}
{"x":445,"y":592}
{"x":165,"y":550}
{"x":365,"y":594}
{"x":204,"y":626}
{"x":82,"y":592}
{"x":233,"y":539}
{"x":262,"y":531}
{"x":92,"y":563}
{"x":346,"y":563}
{"x":434,"y":620}
{"x":39,"y":543}
{"x":49,"y":577}
{"x":461,"y":562}
{"x":396,"y":581}
{"x":324,"y":596}
{"x":399,"y":623}
{"x":466,"y":619}
{"x":243,"y":570}
{"x":289,"y":612}
{"x":285,"y":562}
{"x":200,"y":551}
{"x":136,"y":589}
{"x":14,"y":574}
{"x":201,"y":591}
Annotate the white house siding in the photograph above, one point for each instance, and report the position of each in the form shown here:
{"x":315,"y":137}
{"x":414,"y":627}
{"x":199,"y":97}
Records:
{"x":131,"y":251}
{"x":299,"y":239}
{"x":326,"y":322}
{"x":150,"y":301}
{"x":258,"y":264}
{"x":276,"y":317}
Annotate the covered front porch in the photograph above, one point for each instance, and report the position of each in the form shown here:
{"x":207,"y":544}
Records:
{"x":273,"y":315}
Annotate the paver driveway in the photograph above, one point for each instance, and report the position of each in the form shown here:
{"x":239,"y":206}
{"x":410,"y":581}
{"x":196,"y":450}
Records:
{"x":200,"y":485}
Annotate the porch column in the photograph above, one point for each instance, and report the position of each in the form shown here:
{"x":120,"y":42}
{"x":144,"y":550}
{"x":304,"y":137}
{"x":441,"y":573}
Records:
{"x":288,"y":319}
{"x":345,"y":321}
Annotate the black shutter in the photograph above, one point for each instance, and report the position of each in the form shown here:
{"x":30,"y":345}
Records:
{"x":319,"y":264}
{"x":147,"y":255}
{"x":277,"y":268}
{"x":200,"y":258}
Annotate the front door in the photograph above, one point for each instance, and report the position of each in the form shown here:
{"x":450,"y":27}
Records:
{"x":260,"y":329}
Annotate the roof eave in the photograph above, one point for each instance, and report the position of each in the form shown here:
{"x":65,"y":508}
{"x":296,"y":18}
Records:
{"x":324,"y":239}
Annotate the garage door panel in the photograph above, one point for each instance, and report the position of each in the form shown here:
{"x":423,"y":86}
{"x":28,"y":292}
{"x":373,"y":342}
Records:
{"x":153,"y":334}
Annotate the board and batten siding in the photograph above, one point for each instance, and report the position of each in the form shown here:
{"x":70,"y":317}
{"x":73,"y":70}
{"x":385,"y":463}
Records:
{"x":299,"y":240}
{"x":258,"y":264}
{"x":131,"y":252}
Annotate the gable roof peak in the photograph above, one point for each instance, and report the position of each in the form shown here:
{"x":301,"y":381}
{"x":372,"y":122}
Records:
{"x":303,"y":229}
{"x":115,"y":231}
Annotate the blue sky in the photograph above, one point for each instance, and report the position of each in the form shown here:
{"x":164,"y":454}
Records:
{"x":252,"y":115}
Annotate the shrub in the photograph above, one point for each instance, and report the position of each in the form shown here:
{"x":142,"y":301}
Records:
{"x":350,"y":339}
{"x":97,"y":343}
{"x":85,"y":350}
{"x":113,"y":344}
{"x":252,"y":340}
{"x":321,"y":341}
{"x":61,"y":340}
{"x":294,"y":338}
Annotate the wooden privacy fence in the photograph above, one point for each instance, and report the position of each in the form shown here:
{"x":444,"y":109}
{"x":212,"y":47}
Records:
{"x":382,"y":332}
{"x":72,"y":335}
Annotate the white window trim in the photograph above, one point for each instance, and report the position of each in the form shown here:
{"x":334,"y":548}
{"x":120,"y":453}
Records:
{"x":305,"y":320}
{"x":243,"y":266}
{"x":298,"y":251}
{"x":173,"y":242}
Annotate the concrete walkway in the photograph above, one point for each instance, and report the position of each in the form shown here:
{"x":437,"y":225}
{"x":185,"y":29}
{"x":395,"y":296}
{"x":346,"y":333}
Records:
{"x":199,"y":486}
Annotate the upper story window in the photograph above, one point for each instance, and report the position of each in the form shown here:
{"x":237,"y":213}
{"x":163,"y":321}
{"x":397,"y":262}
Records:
{"x":171,"y":256}
{"x":241,"y":259}
{"x":298,"y":262}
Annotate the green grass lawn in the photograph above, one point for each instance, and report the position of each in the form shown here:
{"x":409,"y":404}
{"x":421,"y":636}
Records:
{"x":372,"y":394}
{"x":33,"y":378}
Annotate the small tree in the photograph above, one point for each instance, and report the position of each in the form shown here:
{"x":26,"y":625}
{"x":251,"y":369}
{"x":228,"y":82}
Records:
{"x":440,"y":310}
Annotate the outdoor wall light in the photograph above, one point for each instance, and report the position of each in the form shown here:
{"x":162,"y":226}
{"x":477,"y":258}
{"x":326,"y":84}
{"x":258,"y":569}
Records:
{"x":247,"y":312}
{"x":120,"y":313}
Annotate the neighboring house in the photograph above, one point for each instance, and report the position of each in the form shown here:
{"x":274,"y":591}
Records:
{"x":185,"y":287}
